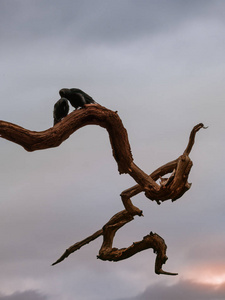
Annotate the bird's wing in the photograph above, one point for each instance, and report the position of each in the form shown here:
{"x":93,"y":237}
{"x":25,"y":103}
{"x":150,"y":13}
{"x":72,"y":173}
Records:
{"x":86,"y":96}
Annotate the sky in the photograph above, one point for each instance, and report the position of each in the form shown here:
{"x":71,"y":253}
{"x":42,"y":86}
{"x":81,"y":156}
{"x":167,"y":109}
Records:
{"x":160,"y":64}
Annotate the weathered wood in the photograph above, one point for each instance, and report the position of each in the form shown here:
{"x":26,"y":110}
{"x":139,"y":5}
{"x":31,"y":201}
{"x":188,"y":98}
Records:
{"x":53,"y":137}
{"x":107,"y":252}
{"x":172,"y":187}
{"x":78,"y":245}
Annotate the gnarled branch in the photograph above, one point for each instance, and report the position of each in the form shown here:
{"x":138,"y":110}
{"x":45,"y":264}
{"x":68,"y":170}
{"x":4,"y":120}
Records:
{"x":107,"y":252}
{"x":173,"y":187}
{"x":169,"y":188}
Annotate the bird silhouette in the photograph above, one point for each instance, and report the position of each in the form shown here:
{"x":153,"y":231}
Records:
{"x":61,"y":109}
{"x":76,"y":97}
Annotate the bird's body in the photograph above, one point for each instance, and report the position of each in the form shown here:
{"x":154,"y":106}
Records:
{"x":61,"y":109}
{"x":76,"y":97}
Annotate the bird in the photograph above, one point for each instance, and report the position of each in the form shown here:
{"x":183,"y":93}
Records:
{"x":76,"y":97}
{"x":61,"y":109}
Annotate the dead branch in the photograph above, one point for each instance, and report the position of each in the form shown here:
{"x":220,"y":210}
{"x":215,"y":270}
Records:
{"x":107,"y":252}
{"x":54,"y":136}
{"x":172,"y":187}
{"x":78,"y":245}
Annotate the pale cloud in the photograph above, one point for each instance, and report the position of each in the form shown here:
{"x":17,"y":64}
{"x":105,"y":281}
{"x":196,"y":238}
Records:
{"x":184,"y":289}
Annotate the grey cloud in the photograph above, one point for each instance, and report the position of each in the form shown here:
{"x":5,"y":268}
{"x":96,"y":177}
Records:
{"x":27,"y":295}
{"x":132,"y":19}
{"x":32,"y":19}
{"x":98,"y":21}
{"x":185,"y":290}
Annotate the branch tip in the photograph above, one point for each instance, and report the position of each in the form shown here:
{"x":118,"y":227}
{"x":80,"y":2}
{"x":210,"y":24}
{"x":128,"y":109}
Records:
{"x":161,"y":272}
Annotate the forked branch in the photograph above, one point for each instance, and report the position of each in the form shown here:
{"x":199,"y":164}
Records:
{"x":176,"y":185}
{"x":172,"y":187}
{"x":107,"y":252}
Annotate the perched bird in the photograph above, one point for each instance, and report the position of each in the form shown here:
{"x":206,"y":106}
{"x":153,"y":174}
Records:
{"x":77,"y":97}
{"x":61,"y":109}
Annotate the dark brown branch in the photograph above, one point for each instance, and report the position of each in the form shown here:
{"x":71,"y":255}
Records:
{"x":150,"y":241}
{"x":192,"y":137}
{"x":53,"y":137}
{"x":78,"y":245}
{"x":169,"y":188}
{"x":173,"y":187}
{"x":95,"y":115}
{"x":107,"y":252}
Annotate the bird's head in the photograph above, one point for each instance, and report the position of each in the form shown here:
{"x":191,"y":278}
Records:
{"x":64,"y":93}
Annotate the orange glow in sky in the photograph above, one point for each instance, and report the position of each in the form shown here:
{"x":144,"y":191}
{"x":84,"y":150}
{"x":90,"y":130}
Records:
{"x":212,"y":279}
{"x":210,"y":274}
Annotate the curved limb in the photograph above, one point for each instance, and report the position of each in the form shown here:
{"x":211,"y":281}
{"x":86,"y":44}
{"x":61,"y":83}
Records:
{"x":170,"y":188}
{"x":95,"y":115}
{"x":92,"y":115}
{"x":78,"y":245}
{"x":108,"y":252}
{"x":192,"y":137}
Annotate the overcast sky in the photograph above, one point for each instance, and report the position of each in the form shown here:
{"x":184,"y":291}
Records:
{"x":161,"y":65}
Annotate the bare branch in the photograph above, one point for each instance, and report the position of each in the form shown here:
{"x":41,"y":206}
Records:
{"x":53,"y":137}
{"x":107,"y":252}
{"x":78,"y":245}
{"x":192,"y":137}
{"x":172,"y":187}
